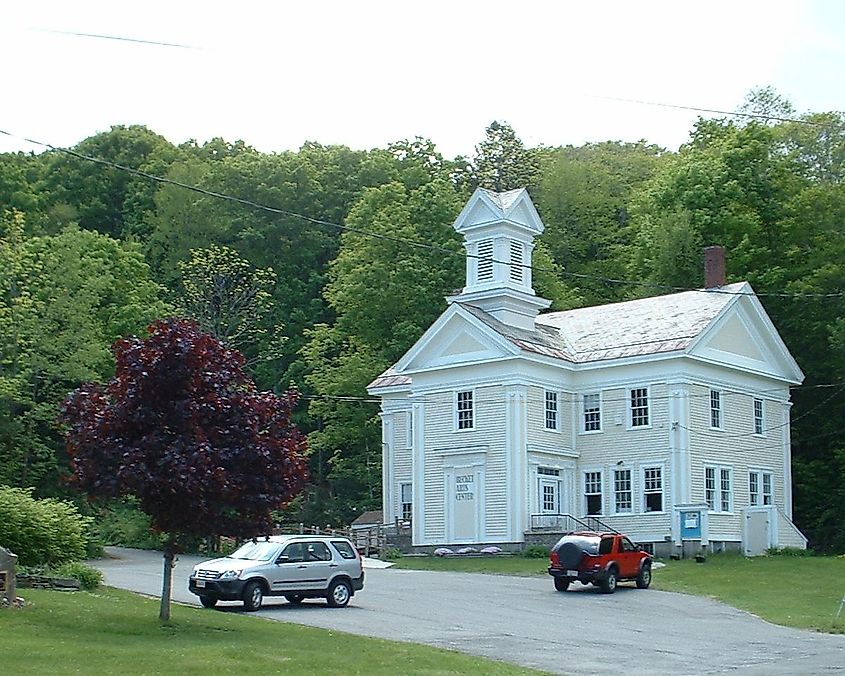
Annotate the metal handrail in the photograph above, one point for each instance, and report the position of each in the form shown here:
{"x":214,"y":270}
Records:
{"x":568,"y":523}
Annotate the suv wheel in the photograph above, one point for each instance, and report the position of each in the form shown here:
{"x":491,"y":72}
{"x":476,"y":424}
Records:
{"x":208,"y":601}
{"x":608,"y":582}
{"x":253,"y":595}
{"x":644,"y":576}
{"x":570,"y":555}
{"x":339,"y":594}
{"x":561,"y":583}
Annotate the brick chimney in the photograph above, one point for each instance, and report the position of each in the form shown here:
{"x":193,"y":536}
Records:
{"x":714,"y":266}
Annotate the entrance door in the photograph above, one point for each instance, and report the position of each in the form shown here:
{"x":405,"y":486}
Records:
{"x":549,"y":496}
{"x":464,"y":505}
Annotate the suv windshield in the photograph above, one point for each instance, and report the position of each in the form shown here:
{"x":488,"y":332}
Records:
{"x":587,"y":544}
{"x":255,"y":551}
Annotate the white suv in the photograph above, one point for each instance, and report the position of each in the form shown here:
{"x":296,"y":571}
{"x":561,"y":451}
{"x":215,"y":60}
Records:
{"x":294,"y":566}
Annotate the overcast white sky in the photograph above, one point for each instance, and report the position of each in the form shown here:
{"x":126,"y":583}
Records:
{"x":276,"y":74}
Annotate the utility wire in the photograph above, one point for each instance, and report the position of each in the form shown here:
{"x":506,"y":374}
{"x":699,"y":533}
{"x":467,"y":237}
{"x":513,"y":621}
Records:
{"x":756,"y":116}
{"x":402,"y":240}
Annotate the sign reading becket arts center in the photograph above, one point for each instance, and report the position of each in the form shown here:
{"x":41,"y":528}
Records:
{"x":464,"y":509}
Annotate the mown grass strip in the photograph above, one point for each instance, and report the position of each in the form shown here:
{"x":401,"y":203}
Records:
{"x":116,"y":632}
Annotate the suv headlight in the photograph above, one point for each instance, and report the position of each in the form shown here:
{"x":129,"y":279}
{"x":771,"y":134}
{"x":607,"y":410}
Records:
{"x":230,"y":575}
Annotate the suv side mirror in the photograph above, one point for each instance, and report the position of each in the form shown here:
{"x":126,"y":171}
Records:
{"x":282,"y":559}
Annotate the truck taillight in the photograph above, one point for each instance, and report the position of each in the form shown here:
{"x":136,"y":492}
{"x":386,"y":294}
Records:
{"x":555,"y":561}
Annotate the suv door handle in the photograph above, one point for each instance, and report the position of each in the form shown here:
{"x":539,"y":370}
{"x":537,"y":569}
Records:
{"x":332,"y":565}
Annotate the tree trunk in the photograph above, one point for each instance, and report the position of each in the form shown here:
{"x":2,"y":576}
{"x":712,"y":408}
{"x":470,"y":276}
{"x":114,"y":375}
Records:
{"x":167,"y":579}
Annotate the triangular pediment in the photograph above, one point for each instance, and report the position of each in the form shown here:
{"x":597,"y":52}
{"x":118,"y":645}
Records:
{"x":744,"y":337}
{"x":485,"y":208}
{"x":455,"y":338}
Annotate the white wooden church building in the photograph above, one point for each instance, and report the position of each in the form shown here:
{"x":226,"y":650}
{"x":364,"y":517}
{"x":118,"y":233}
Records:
{"x":666,"y":418}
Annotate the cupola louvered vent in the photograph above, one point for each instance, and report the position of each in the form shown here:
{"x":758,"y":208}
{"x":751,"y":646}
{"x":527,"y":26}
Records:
{"x":485,"y":260}
{"x":517,"y":271}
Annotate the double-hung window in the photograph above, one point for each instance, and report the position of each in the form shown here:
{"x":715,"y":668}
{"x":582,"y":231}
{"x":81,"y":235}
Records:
{"x":718,"y":488}
{"x":592,"y":412}
{"x":652,"y":489}
{"x":465,"y":411}
{"x":552,"y":411}
{"x":592,"y":493}
{"x":760,"y":488}
{"x":622,"y":496}
{"x":406,"y":501}
{"x":639,"y":407}
{"x":716,"y":409}
{"x":758,"y":416}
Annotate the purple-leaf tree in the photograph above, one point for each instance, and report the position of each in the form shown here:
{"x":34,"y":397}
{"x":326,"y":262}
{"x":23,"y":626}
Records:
{"x":182,"y":428}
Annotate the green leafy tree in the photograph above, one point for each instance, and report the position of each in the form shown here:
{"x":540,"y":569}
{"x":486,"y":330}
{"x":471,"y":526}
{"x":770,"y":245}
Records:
{"x":502,"y":162}
{"x":231,"y":300}
{"x":63,"y":300}
{"x":584,"y":197}
{"x":385,"y":294}
{"x":111,"y":201}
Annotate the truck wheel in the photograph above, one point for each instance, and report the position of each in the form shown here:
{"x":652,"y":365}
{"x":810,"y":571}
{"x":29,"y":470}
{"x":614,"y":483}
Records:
{"x":608,"y":582}
{"x":253,"y":595}
{"x":561,"y":583}
{"x":339,"y":594}
{"x":208,"y":601}
{"x":644,"y":576}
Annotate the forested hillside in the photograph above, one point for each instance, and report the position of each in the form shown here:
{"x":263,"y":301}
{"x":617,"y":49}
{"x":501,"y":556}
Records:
{"x":324,"y":265}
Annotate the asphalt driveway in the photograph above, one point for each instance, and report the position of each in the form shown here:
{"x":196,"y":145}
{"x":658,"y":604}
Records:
{"x":523,"y":620}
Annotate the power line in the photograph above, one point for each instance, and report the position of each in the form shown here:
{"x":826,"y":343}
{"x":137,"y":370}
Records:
{"x":402,"y":240}
{"x":756,"y":116}
{"x":116,"y":37}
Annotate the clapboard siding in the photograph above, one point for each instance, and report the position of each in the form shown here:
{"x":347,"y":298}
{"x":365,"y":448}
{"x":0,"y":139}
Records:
{"x":737,"y":446}
{"x":489,"y":434}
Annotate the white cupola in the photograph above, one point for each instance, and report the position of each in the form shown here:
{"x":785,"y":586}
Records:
{"x":499,"y":230}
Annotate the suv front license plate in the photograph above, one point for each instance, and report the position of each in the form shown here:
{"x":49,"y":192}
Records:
{"x":200,"y":584}
{"x":572,"y":573}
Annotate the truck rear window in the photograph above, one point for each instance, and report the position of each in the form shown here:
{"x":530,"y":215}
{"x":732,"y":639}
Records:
{"x":344,"y":549}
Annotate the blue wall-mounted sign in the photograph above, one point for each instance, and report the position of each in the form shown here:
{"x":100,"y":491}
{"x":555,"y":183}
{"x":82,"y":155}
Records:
{"x":691,"y":525}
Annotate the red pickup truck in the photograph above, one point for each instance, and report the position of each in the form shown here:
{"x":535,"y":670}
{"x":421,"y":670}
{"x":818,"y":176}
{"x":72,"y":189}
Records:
{"x":602,"y":559}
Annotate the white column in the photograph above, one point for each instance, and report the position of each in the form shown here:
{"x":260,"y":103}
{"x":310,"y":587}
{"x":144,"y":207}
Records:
{"x":418,"y":473}
{"x":388,"y":488}
{"x":517,"y":463}
{"x":787,"y":459}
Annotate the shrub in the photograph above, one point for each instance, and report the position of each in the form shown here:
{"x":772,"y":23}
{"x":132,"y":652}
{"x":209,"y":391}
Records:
{"x":789,"y":551}
{"x":536,"y":552}
{"x":122,"y":522}
{"x":47,"y":531}
{"x":88,"y":577}
{"x":391,"y":553}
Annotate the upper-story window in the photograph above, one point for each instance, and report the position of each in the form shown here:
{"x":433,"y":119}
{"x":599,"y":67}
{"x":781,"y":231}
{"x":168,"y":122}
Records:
{"x":716,"y":409}
{"x":465,"y":410}
{"x":485,"y":260}
{"x":409,"y":429}
{"x":592,"y":412}
{"x":758,"y":416}
{"x":517,"y":271}
{"x":639,"y":407}
{"x":552,"y":411}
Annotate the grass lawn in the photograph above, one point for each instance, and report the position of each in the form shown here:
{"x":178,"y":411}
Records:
{"x":116,"y":632}
{"x":803,"y":592}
